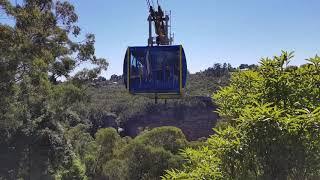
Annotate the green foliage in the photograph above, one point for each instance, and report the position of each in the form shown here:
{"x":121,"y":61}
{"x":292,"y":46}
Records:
{"x":281,"y":147}
{"x":270,"y":129}
{"x":146,"y":162}
{"x":45,"y":124}
{"x":108,"y":156}
{"x":286,"y":88}
{"x":37,"y":49}
{"x":65,"y":95}
{"x":207,"y":82}
{"x":271,"y":112}
{"x":244,"y":90}
{"x":76,"y":171}
{"x":108,"y":141}
{"x":107,"y":138}
{"x":152,"y":152}
{"x":170,"y":138}
{"x":115,"y":169}
{"x":84,"y":147}
{"x":218,"y":70}
{"x":82,"y":142}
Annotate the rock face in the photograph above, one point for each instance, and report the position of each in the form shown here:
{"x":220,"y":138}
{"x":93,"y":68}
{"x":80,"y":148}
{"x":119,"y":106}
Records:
{"x":196,"y":119}
{"x":103,"y":120}
{"x":109,"y":120}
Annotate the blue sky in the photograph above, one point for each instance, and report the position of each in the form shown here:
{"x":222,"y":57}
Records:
{"x":211,"y":31}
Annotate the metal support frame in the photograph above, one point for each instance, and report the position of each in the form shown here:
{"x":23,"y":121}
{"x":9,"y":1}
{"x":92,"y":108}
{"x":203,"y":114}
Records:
{"x":167,"y":23}
{"x":150,"y":39}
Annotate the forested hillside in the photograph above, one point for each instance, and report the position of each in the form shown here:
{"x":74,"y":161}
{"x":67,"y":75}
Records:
{"x":113,"y":106}
{"x":58,"y":121}
{"x":54,"y":129}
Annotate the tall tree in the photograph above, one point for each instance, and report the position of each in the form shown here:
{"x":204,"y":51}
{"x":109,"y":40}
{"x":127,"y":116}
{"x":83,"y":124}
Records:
{"x":35,"y":50}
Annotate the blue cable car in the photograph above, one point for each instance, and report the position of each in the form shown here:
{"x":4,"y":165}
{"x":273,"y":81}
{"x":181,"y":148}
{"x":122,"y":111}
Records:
{"x":155,"y":71}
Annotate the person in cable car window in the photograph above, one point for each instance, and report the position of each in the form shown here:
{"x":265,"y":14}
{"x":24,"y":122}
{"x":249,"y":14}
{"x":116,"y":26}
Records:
{"x":176,"y":73}
{"x":168,"y":73}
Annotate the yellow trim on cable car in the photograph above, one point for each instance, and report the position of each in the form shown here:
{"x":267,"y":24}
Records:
{"x":128,"y":69}
{"x":160,"y":95}
{"x":180,"y":69}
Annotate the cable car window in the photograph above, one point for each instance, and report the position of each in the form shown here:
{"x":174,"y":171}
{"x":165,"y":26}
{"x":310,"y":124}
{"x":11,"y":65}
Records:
{"x":156,"y":69}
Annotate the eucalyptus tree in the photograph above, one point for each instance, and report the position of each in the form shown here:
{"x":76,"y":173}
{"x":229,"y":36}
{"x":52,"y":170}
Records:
{"x":38,"y":46}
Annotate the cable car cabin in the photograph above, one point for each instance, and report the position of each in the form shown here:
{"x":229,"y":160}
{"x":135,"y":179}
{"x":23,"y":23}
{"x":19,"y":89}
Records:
{"x":155,"y":71}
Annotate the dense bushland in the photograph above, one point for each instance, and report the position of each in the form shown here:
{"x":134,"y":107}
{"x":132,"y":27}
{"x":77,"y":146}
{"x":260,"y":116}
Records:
{"x":38,"y":46}
{"x":108,"y":156}
{"x":52,"y":130}
{"x":270,"y":127}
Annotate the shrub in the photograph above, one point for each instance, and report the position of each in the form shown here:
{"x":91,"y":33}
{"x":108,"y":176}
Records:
{"x":271,"y":128}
